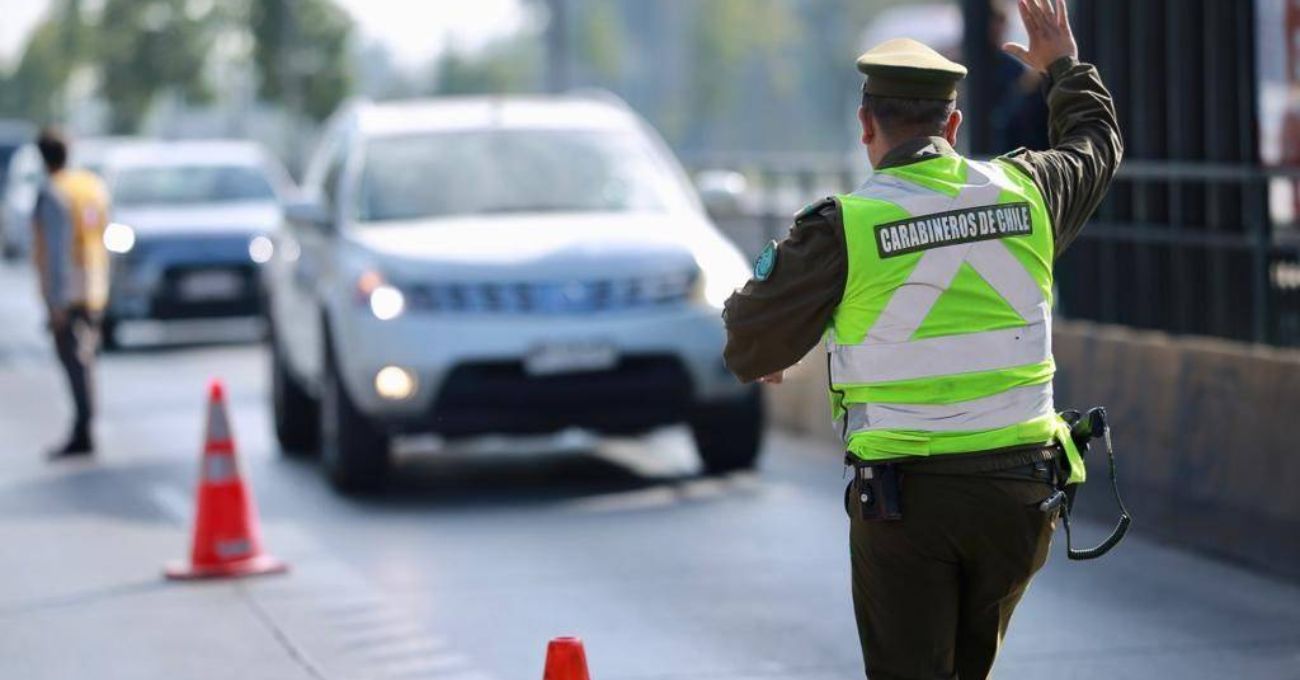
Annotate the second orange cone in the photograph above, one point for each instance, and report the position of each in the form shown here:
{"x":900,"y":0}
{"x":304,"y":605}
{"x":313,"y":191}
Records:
{"x":227,"y":540}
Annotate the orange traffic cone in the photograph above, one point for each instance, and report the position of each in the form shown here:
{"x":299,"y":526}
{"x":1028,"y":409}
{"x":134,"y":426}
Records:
{"x":227,"y":542}
{"x":565,"y":660}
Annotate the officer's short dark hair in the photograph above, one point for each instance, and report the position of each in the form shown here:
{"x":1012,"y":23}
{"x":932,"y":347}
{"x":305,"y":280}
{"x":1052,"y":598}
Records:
{"x":901,"y":118}
{"x":53,"y":147}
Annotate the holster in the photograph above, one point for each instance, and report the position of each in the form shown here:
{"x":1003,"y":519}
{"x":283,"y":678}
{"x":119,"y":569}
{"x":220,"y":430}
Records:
{"x":876,"y":492}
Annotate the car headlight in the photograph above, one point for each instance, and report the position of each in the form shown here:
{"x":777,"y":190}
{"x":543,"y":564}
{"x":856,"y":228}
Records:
{"x":119,"y":238}
{"x":260,"y":249}
{"x":720,"y":276}
{"x":715,"y":290}
{"x":386,"y":301}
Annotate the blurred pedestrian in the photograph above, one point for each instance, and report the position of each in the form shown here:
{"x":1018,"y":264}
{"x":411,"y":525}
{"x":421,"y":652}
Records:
{"x":72,"y":264}
{"x":932,"y":284}
{"x":1020,"y":116}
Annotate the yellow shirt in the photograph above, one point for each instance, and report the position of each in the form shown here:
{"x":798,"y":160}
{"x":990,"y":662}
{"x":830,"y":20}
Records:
{"x":69,"y":240}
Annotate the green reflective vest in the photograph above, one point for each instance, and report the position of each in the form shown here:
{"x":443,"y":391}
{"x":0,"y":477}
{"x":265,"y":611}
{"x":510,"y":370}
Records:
{"x":941,"y":343}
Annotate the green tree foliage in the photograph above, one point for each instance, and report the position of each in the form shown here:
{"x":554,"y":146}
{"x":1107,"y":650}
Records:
{"x":601,"y":39}
{"x":301,"y":53}
{"x":507,"y":66}
{"x":732,"y":35}
{"x":35,"y":88}
{"x":145,"y":47}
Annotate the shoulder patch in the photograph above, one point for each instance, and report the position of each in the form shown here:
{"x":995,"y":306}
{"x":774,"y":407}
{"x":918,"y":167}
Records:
{"x":814,"y":208}
{"x":766,"y":262}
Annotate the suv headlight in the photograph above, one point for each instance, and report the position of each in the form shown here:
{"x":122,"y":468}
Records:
{"x":385,"y":300}
{"x":720,"y":276}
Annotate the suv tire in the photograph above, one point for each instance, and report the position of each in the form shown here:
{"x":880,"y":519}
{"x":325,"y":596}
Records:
{"x":729,"y":434}
{"x":354,"y":453}
{"x":296,"y":413}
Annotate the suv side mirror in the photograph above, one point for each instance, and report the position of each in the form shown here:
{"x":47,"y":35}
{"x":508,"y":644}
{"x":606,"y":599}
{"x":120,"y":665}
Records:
{"x":311,"y":211}
{"x":723,"y":192}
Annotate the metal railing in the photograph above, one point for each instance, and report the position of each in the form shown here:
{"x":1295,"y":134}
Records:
{"x":1180,"y":247}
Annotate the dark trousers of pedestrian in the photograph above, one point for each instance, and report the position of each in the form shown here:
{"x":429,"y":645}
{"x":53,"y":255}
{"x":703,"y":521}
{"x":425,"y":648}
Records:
{"x":934,"y":591}
{"x":75,"y":343}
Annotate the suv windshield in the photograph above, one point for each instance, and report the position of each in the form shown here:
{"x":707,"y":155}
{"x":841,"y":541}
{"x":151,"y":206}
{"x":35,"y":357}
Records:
{"x":501,"y":171}
{"x":180,"y":185}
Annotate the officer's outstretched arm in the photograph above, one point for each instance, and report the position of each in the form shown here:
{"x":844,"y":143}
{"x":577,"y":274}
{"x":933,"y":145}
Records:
{"x":783,"y":310}
{"x":1075,"y":173}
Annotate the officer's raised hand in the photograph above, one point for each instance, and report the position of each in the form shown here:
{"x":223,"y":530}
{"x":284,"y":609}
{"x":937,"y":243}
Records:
{"x":1050,"y":37}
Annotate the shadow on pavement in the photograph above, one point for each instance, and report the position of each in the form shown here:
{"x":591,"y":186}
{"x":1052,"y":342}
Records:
{"x":84,"y":597}
{"x":91,"y":488}
{"x":153,"y":337}
{"x":510,"y":483}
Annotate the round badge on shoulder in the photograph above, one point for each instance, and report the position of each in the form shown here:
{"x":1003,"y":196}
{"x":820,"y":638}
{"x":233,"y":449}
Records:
{"x":766,"y":262}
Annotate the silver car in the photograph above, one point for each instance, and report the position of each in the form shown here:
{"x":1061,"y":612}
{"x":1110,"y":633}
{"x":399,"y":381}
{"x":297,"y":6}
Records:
{"x":519,"y":265}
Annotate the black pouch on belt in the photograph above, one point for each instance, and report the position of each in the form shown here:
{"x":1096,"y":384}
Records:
{"x":878,"y":491}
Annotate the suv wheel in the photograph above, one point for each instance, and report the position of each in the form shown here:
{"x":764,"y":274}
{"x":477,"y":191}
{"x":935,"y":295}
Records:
{"x":296,"y":414}
{"x":729,"y":434}
{"x":353,"y":451}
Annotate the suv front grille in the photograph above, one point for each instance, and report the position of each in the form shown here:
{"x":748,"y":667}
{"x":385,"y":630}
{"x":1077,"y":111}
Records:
{"x":555,"y":297}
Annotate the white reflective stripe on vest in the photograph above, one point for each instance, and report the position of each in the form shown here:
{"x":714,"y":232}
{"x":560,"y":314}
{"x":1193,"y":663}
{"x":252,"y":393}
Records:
{"x":888,"y":353}
{"x":948,"y":355}
{"x":999,"y":410}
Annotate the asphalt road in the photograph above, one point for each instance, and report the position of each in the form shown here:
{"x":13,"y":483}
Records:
{"x":481,"y":553}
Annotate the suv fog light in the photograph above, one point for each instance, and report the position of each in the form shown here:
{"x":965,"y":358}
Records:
{"x":394,"y":383}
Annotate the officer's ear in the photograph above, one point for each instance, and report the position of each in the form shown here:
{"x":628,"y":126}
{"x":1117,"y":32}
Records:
{"x":953,"y":124}
{"x":869,"y":131}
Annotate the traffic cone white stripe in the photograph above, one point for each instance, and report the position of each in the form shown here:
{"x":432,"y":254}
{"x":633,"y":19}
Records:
{"x":218,"y":428}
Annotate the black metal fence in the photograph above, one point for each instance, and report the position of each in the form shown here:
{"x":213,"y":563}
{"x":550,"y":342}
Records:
{"x":1184,"y":242}
{"x":1186,"y":248}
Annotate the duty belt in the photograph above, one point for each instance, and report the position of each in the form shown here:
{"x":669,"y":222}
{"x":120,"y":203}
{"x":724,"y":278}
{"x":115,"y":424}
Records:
{"x":1043,"y":463}
{"x":986,"y":462}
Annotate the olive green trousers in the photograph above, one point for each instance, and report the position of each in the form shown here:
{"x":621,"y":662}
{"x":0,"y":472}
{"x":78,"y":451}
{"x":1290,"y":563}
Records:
{"x":934,"y":591}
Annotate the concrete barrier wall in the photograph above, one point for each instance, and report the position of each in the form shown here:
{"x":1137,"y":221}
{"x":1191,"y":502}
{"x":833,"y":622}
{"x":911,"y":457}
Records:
{"x":1205,"y":432}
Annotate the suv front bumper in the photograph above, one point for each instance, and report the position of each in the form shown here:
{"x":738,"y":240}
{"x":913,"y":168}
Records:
{"x":471,"y":378}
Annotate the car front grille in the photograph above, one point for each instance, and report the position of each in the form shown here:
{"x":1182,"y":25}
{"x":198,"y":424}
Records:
{"x":191,"y":248}
{"x":639,"y":393}
{"x":553,"y":297}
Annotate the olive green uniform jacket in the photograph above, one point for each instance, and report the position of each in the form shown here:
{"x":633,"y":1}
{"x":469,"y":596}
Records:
{"x":772,"y":324}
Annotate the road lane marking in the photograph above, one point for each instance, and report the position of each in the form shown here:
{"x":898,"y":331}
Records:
{"x":390,"y":650}
{"x":434,"y":665}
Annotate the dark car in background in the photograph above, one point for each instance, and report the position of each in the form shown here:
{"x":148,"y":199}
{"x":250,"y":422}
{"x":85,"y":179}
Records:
{"x":189,"y":230}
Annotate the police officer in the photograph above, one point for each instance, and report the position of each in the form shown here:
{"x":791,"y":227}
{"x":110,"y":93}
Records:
{"x":932,"y":284}
{"x":72,"y":264}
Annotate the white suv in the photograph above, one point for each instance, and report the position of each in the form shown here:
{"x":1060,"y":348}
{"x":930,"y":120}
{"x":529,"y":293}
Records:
{"x":499,"y":265}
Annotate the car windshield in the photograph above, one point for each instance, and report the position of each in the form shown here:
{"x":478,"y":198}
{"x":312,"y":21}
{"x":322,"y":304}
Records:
{"x":512,"y":171}
{"x":189,"y":184}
